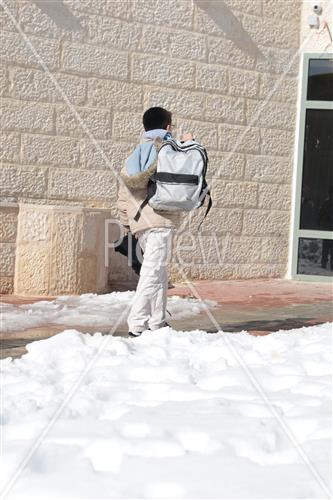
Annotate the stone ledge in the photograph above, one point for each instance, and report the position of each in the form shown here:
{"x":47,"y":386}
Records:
{"x":60,"y":250}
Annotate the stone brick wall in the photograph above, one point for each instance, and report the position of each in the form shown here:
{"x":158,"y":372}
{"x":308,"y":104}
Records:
{"x":8,"y":230}
{"x":65,"y":132}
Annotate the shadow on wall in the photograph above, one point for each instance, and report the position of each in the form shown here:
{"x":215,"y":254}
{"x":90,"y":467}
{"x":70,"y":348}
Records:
{"x":59,"y":13}
{"x":219,"y":12}
{"x":222,"y":16}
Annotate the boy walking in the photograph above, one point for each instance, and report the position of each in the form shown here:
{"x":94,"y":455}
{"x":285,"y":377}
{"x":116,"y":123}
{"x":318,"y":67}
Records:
{"x":152,"y":228}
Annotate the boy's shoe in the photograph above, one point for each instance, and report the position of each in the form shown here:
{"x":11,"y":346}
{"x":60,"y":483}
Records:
{"x":163,"y":326}
{"x":131,"y":334}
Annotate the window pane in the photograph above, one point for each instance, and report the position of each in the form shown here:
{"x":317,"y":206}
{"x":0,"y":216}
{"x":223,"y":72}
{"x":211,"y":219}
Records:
{"x":320,"y":80}
{"x":315,"y":257}
{"x":317,"y":182}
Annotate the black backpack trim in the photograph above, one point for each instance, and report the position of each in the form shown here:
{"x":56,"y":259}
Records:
{"x":170,"y":178}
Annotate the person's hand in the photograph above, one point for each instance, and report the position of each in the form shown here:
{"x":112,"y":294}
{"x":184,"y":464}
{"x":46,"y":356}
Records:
{"x":186,"y":137}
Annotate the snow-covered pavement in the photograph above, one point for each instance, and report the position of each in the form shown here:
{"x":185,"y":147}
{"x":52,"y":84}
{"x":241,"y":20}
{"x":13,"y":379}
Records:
{"x":169,"y":415}
{"x":89,"y":309}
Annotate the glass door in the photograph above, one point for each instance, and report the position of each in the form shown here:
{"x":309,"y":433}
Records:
{"x":312,"y":256}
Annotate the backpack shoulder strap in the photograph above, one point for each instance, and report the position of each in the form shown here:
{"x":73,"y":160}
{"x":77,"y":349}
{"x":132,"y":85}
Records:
{"x":209,"y":206}
{"x":141,"y":207}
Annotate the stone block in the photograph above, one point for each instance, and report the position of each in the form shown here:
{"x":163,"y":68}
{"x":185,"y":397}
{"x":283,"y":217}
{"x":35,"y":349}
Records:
{"x":278,"y":61}
{"x":33,"y":85}
{"x":204,"y":132}
{"x":23,"y":181}
{"x":92,"y":60}
{"x":14,"y":50}
{"x":89,"y":231}
{"x":7,"y":20}
{"x":225,"y":165}
{"x":262,"y":270}
{"x":32,"y":270}
{"x":114,"y":95}
{"x":66,"y":228}
{"x":113,"y":33}
{"x":234,"y":194}
{"x":80,"y":185}
{"x":211,"y":25}
{"x":127,"y":127}
{"x":187,"y":45}
{"x":275,"y":250}
{"x":9,"y":147}
{"x":46,"y":150}
{"x":86,"y":274}
{"x":95,"y":122}
{"x":224,"y":51}
{"x":289,"y":9}
{"x":112,"y":8}
{"x":34,"y":21}
{"x":265,"y":222}
{"x":243,"y":83}
{"x":60,"y":250}
{"x":8,"y":222}
{"x":199,"y":248}
{"x":228,"y":271}
{"x":274,"y":196}
{"x":180,"y":102}
{"x":37,"y":226}
{"x":272,"y":32}
{"x":4,"y":81}
{"x":177,"y":14}
{"x":269,"y":169}
{"x":242,"y":250}
{"x":61,"y":25}
{"x":211,"y":77}
{"x":205,"y":23}
{"x":268,"y":114}
{"x":239,"y":139}
{"x":107,"y":155}
{"x":162,"y":71}
{"x":6,"y":284}
{"x":245,"y":6}
{"x":26,"y":116}
{"x":277,"y":142}
{"x":218,"y":221}
{"x":225,"y":109}
{"x":156,"y":39}
{"x":282,"y":89}
{"x":7,"y":259}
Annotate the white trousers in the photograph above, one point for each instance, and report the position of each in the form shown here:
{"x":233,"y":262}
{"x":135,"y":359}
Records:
{"x":149,"y":305}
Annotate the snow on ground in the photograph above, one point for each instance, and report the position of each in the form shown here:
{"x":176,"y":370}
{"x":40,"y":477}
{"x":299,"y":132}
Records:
{"x":88,"y":309}
{"x":169,"y":415}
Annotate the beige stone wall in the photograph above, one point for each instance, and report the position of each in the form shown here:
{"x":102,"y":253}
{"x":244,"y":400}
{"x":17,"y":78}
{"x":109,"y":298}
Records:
{"x":65,"y":132}
{"x":8,"y":230}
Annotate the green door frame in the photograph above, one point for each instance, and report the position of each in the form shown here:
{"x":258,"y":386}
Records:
{"x":306,"y":233}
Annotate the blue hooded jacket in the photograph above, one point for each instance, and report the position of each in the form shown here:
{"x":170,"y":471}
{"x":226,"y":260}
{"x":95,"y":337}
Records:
{"x":144,"y":154}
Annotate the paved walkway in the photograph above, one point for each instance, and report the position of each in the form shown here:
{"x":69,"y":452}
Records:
{"x":257,"y":306}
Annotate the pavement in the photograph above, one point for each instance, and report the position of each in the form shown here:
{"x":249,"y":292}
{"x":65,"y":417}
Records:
{"x":258,"y":306}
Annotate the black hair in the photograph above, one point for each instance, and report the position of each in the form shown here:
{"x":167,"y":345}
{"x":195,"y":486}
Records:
{"x":156,"y":118}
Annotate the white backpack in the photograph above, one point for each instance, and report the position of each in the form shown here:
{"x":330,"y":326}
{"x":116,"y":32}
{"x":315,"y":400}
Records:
{"x":179,"y":182}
